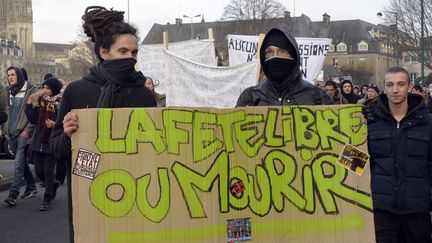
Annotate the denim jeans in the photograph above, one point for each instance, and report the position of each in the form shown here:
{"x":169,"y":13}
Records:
{"x":22,"y":169}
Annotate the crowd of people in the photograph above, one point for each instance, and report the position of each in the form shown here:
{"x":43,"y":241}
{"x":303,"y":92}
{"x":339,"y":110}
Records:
{"x":399,"y":137}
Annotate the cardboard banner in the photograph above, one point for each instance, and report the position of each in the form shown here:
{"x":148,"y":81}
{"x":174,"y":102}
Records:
{"x":151,"y":60}
{"x":243,"y":48}
{"x":259,"y":174}
{"x":205,"y":86}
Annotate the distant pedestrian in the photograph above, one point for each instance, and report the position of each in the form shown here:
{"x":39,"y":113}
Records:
{"x":332,"y":90}
{"x":160,"y":98}
{"x":17,"y":130}
{"x":41,"y":110}
{"x":347,"y":91}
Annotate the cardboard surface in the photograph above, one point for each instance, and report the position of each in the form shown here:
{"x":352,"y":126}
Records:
{"x":259,"y":174}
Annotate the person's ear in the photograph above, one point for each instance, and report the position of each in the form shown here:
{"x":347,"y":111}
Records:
{"x":104,"y":53}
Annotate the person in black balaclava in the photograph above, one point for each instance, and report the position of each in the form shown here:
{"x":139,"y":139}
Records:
{"x":284,"y":84}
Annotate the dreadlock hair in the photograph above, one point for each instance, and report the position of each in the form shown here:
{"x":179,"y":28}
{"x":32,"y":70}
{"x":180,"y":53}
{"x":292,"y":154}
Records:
{"x":103,"y":26}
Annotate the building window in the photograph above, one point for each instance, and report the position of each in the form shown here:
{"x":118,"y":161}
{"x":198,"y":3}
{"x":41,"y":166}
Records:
{"x":363,"y":46}
{"x":351,"y":61}
{"x":341,"y":47}
{"x":331,"y":48}
{"x":413,"y":76}
{"x":335,"y":62}
{"x":362,"y":61}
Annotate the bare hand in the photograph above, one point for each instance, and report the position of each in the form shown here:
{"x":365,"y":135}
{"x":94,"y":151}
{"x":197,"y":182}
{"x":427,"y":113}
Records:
{"x":49,"y":123}
{"x":70,"y":123}
{"x":7,"y":137}
{"x":31,"y":98}
{"x":25,"y":134}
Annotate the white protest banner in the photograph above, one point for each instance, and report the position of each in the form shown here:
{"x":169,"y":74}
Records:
{"x":241,"y":48}
{"x":151,"y":57}
{"x":196,"y":85}
{"x":312,"y":54}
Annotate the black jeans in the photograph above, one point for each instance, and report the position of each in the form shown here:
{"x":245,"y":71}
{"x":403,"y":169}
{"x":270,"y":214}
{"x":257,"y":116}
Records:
{"x":390,"y":228}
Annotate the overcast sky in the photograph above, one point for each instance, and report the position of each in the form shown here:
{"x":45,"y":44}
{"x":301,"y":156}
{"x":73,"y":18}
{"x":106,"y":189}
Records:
{"x":58,"y":21}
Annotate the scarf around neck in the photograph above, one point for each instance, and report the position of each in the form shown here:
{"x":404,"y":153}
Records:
{"x":117,"y":74}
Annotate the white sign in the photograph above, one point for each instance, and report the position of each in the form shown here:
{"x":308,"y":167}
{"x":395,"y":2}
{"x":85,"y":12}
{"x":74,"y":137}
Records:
{"x":151,"y":57}
{"x":196,"y":85}
{"x":241,"y":48}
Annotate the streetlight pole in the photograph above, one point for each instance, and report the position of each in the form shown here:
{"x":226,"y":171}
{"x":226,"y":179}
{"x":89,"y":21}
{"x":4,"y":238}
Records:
{"x":379,"y":14}
{"x":422,"y":44}
{"x":128,"y":13}
{"x":191,"y":18}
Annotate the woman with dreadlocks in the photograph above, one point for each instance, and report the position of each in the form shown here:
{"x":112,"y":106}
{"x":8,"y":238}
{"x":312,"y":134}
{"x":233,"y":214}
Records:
{"x":112,"y":83}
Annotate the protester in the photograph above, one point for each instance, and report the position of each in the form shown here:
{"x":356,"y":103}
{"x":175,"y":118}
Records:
{"x":17,"y":130}
{"x":356,"y":90}
{"x":284,"y":85}
{"x":112,"y":83}
{"x":348,"y":93}
{"x":429,"y":98}
{"x":364,"y":88}
{"x":400,"y":146}
{"x":417,"y":89}
{"x":333,"y":92}
{"x":160,"y":98}
{"x":372,"y":95}
{"x":41,"y":110}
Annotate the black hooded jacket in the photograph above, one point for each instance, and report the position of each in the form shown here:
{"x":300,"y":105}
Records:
{"x":296,"y":90}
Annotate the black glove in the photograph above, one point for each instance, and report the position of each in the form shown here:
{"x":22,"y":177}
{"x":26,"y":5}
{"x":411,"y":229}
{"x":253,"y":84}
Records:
{"x":369,"y":111}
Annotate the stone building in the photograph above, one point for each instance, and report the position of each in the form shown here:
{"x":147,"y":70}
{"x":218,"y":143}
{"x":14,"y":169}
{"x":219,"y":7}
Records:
{"x":18,"y":49}
{"x":359,"y":49}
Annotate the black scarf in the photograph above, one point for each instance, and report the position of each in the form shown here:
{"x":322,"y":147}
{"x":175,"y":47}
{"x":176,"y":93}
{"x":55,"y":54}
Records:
{"x":117,"y":74}
{"x":14,"y":89}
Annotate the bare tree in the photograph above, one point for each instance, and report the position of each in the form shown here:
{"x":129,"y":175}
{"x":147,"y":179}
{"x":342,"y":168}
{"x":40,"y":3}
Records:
{"x":253,"y":10}
{"x":409,"y":25}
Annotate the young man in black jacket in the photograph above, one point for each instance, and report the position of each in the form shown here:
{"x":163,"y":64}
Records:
{"x":112,"y":83}
{"x":284,"y":83}
{"x":400,"y":146}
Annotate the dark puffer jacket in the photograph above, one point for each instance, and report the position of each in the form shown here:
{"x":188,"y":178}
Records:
{"x":297,"y":91}
{"x":401,"y":158}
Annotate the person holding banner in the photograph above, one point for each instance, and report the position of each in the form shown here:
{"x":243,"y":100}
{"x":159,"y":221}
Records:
{"x":112,"y":83}
{"x":400,"y":148}
{"x":284,"y":85}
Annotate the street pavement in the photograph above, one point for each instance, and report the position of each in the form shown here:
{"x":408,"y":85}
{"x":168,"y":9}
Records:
{"x":24,"y":223}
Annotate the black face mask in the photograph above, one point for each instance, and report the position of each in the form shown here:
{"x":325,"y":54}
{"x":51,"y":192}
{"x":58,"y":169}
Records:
{"x":122,"y":69}
{"x":120,"y":65}
{"x":279,"y":69}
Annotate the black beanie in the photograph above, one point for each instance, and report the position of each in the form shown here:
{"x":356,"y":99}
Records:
{"x":54,"y":84}
{"x":279,"y":39}
{"x":47,"y":76}
{"x":374,"y":87}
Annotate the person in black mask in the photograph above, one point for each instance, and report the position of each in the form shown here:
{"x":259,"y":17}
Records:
{"x":112,"y":83}
{"x":284,"y":84}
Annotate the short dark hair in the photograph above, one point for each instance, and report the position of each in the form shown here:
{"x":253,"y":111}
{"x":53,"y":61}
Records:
{"x":330,"y":83}
{"x":398,"y":70}
{"x":418,"y":88}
